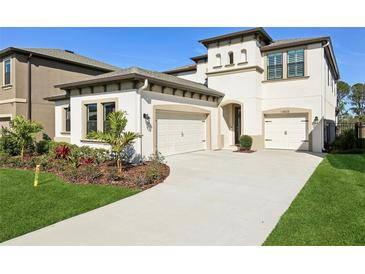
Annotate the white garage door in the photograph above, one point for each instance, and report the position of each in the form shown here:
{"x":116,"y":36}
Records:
{"x":286,"y":132}
{"x":180,"y":132}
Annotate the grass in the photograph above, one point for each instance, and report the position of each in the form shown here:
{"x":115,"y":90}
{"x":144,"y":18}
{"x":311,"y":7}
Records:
{"x":330,"y":209}
{"x":25,"y":208}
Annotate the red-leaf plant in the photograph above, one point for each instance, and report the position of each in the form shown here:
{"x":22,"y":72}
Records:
{"x":62,"y":152}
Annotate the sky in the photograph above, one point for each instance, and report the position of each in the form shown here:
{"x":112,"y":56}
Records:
{"x":164,"y":48}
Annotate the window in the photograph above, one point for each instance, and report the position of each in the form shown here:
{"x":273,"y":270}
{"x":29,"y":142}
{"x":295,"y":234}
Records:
{"x":107,"y":109}
{"x":218,"y":60}
{"x":275,"y":66}
{"x":91,"y":116}
{"x":296,"y":63}
{"x":67,"y":119}
{"x":7,"y":72}
{"x":230,"y":58}
{"x":243,"y":56}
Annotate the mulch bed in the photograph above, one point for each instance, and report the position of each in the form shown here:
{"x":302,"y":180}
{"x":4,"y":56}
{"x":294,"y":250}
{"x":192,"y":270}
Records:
{"x":242,"y":150}
{"x":133,"y":176}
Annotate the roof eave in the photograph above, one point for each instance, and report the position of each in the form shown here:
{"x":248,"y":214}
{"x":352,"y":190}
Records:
{"x":178,"y":70}
{"x":260,"y":30}
{"x":308,"y":42}
{"x":10,"y":50}
{"x":136,"y":76}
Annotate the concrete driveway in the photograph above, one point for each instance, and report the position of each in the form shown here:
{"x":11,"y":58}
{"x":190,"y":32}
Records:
{"x":210,"y":198}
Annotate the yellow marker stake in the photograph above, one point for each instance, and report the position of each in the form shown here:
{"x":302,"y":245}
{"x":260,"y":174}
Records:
{"x":36,"y":175}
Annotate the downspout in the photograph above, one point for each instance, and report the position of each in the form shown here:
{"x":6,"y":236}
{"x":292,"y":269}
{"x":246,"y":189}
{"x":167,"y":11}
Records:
{"x":29,"y":113}
{"x":324,"y":98}
{"x":139,"y":91}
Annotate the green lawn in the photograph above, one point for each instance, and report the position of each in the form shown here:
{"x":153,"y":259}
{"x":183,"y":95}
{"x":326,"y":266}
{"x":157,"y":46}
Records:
{"x":24,"y":208}
{"x":330,"y":209}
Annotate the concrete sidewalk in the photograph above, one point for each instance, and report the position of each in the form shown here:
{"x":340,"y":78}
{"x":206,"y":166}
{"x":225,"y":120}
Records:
{"x":210,"y":198}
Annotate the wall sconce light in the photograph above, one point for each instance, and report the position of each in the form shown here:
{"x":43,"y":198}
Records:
{"x":146,"y":116}
{"x":315,"y":121}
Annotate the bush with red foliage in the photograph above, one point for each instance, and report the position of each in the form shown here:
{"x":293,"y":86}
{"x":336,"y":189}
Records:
{"x":62,"y":152}
{"x":87,"y":161}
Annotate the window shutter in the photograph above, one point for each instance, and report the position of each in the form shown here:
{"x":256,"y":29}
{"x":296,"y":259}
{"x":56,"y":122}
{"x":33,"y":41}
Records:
{"x":296,"y":63}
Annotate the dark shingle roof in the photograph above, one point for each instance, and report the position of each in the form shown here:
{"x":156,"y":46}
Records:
{"x":62,"y":55}
{"x":141,"y":74}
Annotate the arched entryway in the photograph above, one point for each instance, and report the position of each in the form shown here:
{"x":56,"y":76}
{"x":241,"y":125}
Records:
{"x":230,"y":123}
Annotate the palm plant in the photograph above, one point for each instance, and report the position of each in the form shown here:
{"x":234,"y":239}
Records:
{"x":116,"y":136}
{"x":22,"y":132}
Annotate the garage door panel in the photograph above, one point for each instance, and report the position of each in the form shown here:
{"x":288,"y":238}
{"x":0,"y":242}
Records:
{"x":286,"y":133}
{"x":179,"y":132}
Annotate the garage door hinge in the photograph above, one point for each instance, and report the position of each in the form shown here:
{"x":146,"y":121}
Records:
{"x":203,"y":141}
{"x":268,"y":139}
{"x":268,"y":121}
{"x":305,"y":141}
{"x":305,"y":121}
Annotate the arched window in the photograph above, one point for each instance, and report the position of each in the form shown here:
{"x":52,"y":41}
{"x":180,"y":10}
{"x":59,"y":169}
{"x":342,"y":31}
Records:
{"x":218,"y":60}
{"x":243,"y":56}
{"x":230,"y":57}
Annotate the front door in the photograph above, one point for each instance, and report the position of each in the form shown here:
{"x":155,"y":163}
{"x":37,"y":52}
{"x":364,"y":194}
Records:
{"x":237,"y":125}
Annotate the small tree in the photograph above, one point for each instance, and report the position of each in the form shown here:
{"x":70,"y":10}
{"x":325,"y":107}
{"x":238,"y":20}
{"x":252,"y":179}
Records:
{"x":22,"y":132}
{"x":343,"y":91}
{"x":116,"y":136}
{"x":357,"y":99}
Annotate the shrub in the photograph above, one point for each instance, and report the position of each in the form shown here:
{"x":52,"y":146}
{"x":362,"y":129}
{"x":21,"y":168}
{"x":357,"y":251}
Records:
{"x":21,"y":133}
{"x":42,"y":147}
{"x":62,"y":151}
{"x":15,"y":162}
{"x":4,"y":157}
{"x":142,"y":180}
{"x":157,"y":157}
{"x":346,"y":140}
{"x":246,"y":142}
{"x":114,"y":175}
{"x":8,"y":145}
{"x":98,"y":155}
{"x":86,"y":161}
{"x":88,"y":174}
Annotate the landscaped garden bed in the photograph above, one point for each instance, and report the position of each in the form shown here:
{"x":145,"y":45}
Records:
{"x":82,"y":165}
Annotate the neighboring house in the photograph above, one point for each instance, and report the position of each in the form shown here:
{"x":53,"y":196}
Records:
{"x":28,"y":75}
{"x":282,"y":93}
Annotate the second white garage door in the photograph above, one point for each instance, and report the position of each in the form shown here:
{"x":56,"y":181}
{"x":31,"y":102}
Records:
{"x":285,"y":132}
{"x":180,"y":132}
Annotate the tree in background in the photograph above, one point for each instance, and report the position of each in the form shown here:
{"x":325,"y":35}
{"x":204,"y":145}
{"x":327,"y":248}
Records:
{"x":357,"y":100}
{"x":343,"y":91}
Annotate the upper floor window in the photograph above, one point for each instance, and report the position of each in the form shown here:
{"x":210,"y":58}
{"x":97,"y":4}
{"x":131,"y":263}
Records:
{"x":67,"y":119}
{"x":7,"y":72}
{"x":296,"y":63}
{"x":275,"y":66}
{"x":91,"y":118}
{"x":243,"y":56}
{"x":107,"y":109}
{"x":230,"y":58}
{"x":218,"y":59}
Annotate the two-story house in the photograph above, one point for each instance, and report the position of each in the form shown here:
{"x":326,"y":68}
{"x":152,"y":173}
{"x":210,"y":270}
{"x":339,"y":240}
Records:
{"x":282,"y":93}
{"x":28,"y":75}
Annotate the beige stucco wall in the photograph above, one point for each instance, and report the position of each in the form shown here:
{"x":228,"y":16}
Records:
{"x":45,"y":74}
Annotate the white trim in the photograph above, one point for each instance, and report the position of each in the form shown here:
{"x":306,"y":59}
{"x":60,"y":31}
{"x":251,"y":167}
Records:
{"x":9,"y":115}
{"x":11,"y":71}
{"x":14,"y":100}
